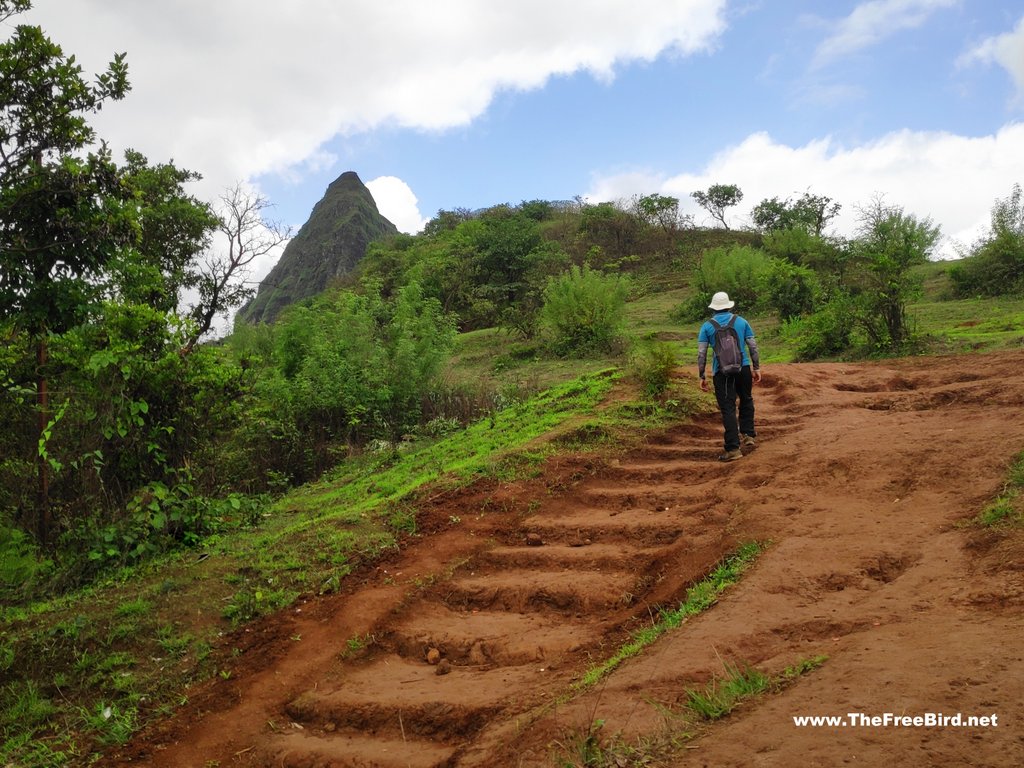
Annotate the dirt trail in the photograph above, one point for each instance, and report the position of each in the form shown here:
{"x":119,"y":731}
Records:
{"x":861,"y":474}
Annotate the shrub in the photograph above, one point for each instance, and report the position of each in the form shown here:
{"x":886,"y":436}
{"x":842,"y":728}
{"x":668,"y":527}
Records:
{"x":738,"y":270}
{"x":583,"y":311}
{"x":789,"y":290}
{"x":827,"y":332}
{"x":996,"y":263}
{"x":22,"y":565}
{"x":653,"y":365}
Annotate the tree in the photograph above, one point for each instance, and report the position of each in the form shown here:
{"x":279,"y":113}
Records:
{"x":62,"y":216}
{"x":736,"y":269}
{"x":810,"y":214}
{"x":445,"y":221}
{"x":790,"y":290}
{"x":658,"y":210}
{"x":717,"y":198}
{"x":889,"y":242}
{"x":771,"y":215}
{"x":219,"y":278}
{"x":174,"y":229}
{"x":609,"y":228}
{"x":357,"y":366}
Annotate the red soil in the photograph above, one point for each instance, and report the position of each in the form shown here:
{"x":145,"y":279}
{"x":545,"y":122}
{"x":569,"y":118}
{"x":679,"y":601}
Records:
{"x":859,"y":481}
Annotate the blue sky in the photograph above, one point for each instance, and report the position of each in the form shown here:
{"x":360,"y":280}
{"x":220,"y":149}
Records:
{"x":462,"y":103}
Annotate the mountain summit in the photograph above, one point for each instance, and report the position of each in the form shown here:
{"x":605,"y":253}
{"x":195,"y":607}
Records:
{"x":327,"y":246}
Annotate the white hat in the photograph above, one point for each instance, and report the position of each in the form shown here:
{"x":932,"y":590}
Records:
{"x":721,"y":301}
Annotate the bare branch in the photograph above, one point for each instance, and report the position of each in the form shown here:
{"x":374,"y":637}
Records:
{"x":222,"y":278}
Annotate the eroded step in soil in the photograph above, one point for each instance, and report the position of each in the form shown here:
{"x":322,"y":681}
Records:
{"x":528,"y":590}
{"x":323,"y":749}
{"x":613,"y":494}
{"x":622,"y":510}
{"x":540,"y":554}
{"x":643,"y":527}
{"x":669,"y":459}
{"x":400,"y":698}
{"x":485,"y":638}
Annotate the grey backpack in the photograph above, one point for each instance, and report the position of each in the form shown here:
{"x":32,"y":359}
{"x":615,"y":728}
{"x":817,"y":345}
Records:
{"x":727,"y":347}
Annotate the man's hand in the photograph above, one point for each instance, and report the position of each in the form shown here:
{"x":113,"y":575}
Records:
{"x":757,"y":376}
{"x":703,"y":385}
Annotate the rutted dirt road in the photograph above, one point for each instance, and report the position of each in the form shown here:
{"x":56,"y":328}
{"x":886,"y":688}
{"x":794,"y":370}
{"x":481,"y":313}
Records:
{"x":861,"y":475}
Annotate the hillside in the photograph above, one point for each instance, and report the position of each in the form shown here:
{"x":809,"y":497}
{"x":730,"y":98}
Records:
{"x":873,"y":593}
{"x":328,"y":246}
{"x":555,"y":549}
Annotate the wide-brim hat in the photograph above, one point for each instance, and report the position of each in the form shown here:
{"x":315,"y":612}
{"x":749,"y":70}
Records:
{"x":721,"y":300}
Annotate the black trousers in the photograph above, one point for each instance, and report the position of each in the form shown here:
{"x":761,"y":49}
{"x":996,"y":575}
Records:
{"x":728,"y":389}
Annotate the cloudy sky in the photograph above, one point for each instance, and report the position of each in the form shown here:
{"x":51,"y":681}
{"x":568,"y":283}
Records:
{"x":466,"y":103}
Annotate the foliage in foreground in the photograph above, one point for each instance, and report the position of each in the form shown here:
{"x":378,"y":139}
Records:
{"x":124,"y":646}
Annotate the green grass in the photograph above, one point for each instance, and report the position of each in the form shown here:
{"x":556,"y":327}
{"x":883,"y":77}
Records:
{"x":1008,"y":507}
{"x":971,"y":325}
{"x":82,"y":670}
{"x":699,"y":598}
{"x":703,"y":705}
{"x":125,"y":644}
{"x":722,"y":695}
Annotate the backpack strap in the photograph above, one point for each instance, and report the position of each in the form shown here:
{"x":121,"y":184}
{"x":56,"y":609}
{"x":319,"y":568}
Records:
{"x":718,"y":326}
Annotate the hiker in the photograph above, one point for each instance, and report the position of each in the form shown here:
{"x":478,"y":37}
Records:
{"x":730,"y":336}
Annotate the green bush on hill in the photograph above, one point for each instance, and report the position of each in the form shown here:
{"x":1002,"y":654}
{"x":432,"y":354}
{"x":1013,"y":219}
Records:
{"x":583,"y":312}
{"x":995,"y":267}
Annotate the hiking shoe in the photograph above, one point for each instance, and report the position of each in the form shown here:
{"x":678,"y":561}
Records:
{"x":731,"y":455}
{"x":748,"y":441}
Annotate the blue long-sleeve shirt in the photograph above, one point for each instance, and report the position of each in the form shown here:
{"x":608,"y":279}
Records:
{"x":706,"y":338}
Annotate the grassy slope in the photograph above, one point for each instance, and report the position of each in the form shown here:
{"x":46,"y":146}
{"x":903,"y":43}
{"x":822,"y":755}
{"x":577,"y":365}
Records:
{"x":83,"y":670}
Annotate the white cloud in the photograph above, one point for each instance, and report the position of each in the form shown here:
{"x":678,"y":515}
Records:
{"x":954,"y":180}
{"x":397,"y":203}
{"x":1006,"y":50}
{"x":239,"y":88}
{"x":872,"y":22}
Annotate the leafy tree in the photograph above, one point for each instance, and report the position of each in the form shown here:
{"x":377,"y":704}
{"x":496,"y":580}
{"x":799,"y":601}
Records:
{"x":828,"y":332}
{"x":659,"y":210}
{"x":504,"y":242}
{"x":810,"y":214}
{"x":608,"y":228}
{"x":174,"y":228}
{"x":889,"y":242}
{"x":828,"y":257}
{"x":94,"y":258}
{"x":538,"y":210}
{"x":356,"y":366}
{"x":717,"y":198}
{"x":738,"y":270}
{"x":445,"y":221}
{"x":995,"y":265}
{"x":62,"y":216}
